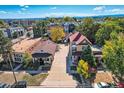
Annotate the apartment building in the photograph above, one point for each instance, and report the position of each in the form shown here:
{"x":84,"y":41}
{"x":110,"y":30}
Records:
{"x":20,"y":31}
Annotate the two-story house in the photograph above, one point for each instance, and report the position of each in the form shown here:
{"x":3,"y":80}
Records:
{"x":78,"y":43}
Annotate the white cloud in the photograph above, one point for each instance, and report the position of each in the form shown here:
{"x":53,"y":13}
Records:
{"x":115,"y":11}
{"x":54,"y":8}
{"x":20,"y":12}
{"x":26,"y":6}
{"x":23,"y":9}
{"x":23,"y":12}
{"x":99,"y":8}
{"x":3,"y":12}
{"x":22,"y":5}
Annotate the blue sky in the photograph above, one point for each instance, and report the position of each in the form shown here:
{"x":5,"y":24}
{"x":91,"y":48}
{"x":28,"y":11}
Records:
{"x":38,"y":11}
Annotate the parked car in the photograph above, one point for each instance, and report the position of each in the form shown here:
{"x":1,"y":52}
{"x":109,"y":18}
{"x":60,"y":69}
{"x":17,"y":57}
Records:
{"x":112,"y":85}
{"x":19,"y":84}
{"x":4,"y":85}
{"x":101,"y":85}
{"x":120,"y":85}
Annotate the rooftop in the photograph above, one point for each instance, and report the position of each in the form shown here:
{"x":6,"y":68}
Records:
{"x":46,"y":46}
{"x":23,"y":45}
{"x":78,"y":38}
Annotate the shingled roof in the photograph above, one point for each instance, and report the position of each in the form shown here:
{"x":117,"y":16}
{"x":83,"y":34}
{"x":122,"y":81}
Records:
{"x":78,"y":38}
{"x":46,"y":46}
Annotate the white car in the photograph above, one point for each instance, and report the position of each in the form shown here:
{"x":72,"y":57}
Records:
{"x":101,"y":85}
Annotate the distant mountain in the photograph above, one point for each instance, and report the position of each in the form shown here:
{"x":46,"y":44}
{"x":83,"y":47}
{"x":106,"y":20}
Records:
{"x":78,"y":17}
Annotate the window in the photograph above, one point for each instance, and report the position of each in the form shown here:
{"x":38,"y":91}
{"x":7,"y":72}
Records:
{"x":17,"y":59}
{"x":47,"y":59}
{"x":73,"y":68}
{"x":84,"y":47}
{"x":74,"y":48}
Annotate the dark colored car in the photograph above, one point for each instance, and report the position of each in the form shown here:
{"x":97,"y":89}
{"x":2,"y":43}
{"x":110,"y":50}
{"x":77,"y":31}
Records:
{"x":4,"y":85}
{"x":19,"y":84}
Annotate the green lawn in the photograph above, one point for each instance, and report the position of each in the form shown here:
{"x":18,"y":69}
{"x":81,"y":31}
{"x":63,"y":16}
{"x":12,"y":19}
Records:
{"x":35,"y":80}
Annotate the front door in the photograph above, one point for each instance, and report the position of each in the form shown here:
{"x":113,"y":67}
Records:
{"x":41,"y":61}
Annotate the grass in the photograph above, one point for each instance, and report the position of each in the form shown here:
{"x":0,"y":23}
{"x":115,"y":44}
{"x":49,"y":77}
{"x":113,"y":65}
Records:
{"x":35,"y":80}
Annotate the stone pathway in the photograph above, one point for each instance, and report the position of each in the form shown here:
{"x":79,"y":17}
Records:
{"x":58,"y":78}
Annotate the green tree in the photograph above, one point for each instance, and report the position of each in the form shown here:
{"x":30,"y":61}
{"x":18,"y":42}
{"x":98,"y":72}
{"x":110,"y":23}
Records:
{"x":5,"y":47}
{"x":68,"y":19}
{"x":52,"y":20}
{"x":40,"y":29}
{"x":6,"y":51}
{"x":88,"y":27}
{"x":28,"y":34}
{"x":83,"y":68}
{"x":105,"y":30}
{"x":15,"y":35}
{"x":3,"y":24}
{"x":88,"y":56}
{"x":27,"y":58}
{"x":113,"y":54}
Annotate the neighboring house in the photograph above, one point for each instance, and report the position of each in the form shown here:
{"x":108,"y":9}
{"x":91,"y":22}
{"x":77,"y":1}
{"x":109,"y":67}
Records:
{"x":68,"y":27}
{"x":11,"y":30}
{"x":44,"y":52}
{"x":78,"y":43}
{"x":23,"y":46}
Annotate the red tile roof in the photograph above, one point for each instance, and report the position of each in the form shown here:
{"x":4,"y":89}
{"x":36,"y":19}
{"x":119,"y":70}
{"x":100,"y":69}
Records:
{"x":78,"y":38}
{"x":46,"y":46}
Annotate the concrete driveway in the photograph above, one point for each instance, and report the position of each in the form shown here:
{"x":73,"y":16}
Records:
{"x":58,"y":77}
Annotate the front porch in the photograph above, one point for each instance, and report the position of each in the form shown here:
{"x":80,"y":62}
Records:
{"x":43,"y":60}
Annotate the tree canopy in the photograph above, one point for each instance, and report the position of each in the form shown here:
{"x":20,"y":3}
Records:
{"x":5,"y":46}
{"x":83,"y":68}
{"x":27,"y":58}
{"x":105,"y":30}
{"x":57,"y":33}
{"x":40,"y":28}
{"x":88,"y":56}
{"x":113,"y":54}
{"x":88,"y":27}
